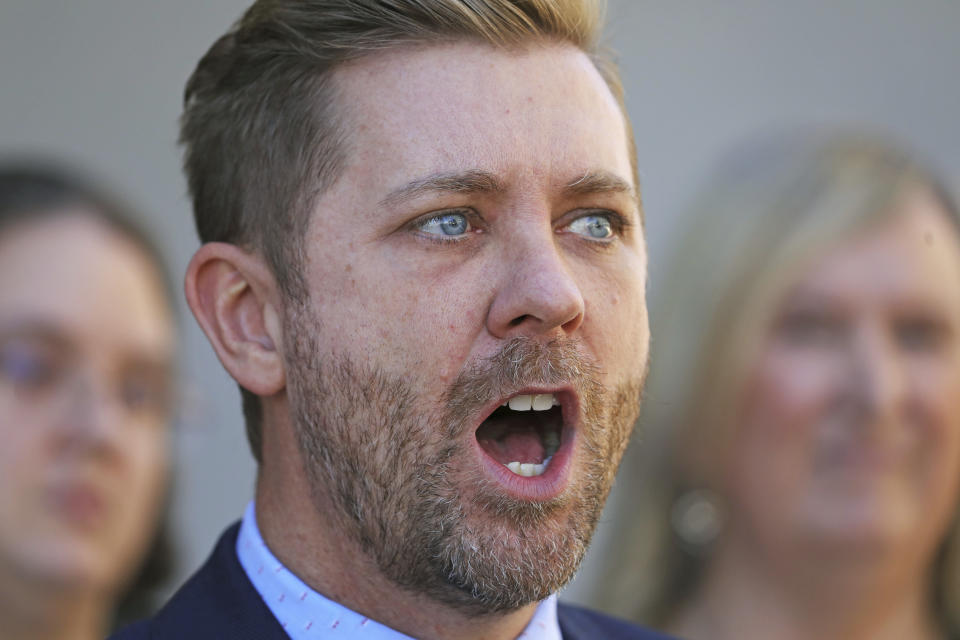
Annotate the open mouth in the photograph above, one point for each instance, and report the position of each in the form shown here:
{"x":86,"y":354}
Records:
{"x":524,"y":433}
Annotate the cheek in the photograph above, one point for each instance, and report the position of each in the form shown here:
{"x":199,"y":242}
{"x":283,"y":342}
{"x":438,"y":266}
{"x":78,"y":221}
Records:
{"x":145,"y":483}
{"x":409,"y":319}
{"x":936,"y":389}
{"x":784,"y":398}
{"x":934,"y":401}
{"x":24,"y":447}
{"x":147,"y":472}
{"x":27,"y":462}
{"x":617,"y":327}
{"x":787,"y":392}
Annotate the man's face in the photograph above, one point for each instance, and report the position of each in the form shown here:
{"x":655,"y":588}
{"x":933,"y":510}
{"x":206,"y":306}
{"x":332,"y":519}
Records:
{"x":483,"y":245}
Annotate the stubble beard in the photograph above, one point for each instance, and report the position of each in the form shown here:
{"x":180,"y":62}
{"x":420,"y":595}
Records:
{"x":391,"y":468}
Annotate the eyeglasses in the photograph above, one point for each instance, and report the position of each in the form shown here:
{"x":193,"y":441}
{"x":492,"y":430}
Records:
{"x":47,"y":372}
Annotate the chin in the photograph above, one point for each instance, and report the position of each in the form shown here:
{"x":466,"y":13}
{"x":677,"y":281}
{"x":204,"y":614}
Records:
{"x":863,"y":530}
{"x":68,"y":563}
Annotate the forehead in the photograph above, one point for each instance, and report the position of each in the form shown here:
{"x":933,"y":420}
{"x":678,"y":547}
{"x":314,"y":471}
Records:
{"x":913,"y":254}
{"x":542,"y":112}
{"x":72,"y":273}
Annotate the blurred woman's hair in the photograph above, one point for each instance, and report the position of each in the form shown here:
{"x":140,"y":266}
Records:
{"x":35,"y":191}
{"x":769,"y":212}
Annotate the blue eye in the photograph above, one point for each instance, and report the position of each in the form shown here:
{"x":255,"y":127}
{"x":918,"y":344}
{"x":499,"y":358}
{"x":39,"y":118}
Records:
{"x":596,"y":226}
{"x":26,"y":367}
{"x":446,"y":224}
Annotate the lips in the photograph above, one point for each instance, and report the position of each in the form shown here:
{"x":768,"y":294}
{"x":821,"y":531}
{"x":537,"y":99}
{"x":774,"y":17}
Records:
{"x":80,"y":505}
{"x":525,"y":442}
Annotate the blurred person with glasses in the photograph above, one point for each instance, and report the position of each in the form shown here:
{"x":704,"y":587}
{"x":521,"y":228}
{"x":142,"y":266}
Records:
{"x":87,"y":337}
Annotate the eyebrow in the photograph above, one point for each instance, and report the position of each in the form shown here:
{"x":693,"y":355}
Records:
{"x":466,"y":182}
{"x":35,"y":330}
{"x":479,"y":181}
{"x":600,"y":182}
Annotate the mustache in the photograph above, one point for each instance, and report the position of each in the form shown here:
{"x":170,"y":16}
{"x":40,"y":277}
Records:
{"x":523,"y":362}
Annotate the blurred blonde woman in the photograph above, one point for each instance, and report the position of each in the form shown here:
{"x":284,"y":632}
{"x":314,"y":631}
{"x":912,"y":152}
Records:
{"x":86,"y":366}
{"x":801,"y":459}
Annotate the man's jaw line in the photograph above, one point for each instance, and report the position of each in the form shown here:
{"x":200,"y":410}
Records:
{"x":343,"y":557}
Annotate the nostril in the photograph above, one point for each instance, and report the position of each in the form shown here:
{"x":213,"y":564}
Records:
{"x":518,"y":320}
{"x":573,"y":323}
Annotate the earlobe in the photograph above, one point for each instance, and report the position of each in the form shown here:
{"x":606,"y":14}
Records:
{"x":233,"y":296}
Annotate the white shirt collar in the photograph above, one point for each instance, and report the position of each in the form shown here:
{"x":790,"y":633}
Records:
{"x":304,"y":613}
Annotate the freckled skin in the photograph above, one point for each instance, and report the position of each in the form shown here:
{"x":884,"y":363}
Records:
{"x":420,"y":123}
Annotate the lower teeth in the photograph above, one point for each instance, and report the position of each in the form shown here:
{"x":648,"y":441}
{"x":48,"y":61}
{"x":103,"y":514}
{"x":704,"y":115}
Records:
{"x":528,"y":469}
{"x":551,"y":442}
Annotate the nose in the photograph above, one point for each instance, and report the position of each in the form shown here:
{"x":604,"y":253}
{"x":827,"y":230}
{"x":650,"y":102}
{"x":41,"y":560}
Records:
{"x":877,"y":376}
{"x":90,"y":418}
{"x":539,"y":295}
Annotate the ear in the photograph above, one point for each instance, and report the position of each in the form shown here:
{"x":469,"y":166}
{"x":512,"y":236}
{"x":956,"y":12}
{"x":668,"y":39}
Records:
{"x":234,"y":297}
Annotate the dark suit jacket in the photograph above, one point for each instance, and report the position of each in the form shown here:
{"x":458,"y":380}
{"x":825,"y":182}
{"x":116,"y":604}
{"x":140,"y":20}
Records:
{"x":219,"y":601}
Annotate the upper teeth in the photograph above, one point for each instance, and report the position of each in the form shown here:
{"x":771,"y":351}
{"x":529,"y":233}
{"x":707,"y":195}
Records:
{"x":537,"y":402}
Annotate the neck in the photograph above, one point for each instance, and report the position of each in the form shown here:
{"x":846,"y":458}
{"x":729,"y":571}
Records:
{"x":30,"y":611}
{"x":790,"y":596}
{"x":315,"y":549}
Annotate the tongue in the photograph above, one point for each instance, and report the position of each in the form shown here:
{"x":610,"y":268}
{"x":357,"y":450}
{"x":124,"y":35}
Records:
{"x":514,"y":446}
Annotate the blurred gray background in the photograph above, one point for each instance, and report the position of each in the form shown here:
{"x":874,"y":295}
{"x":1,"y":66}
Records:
{"x":98,"y":83}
